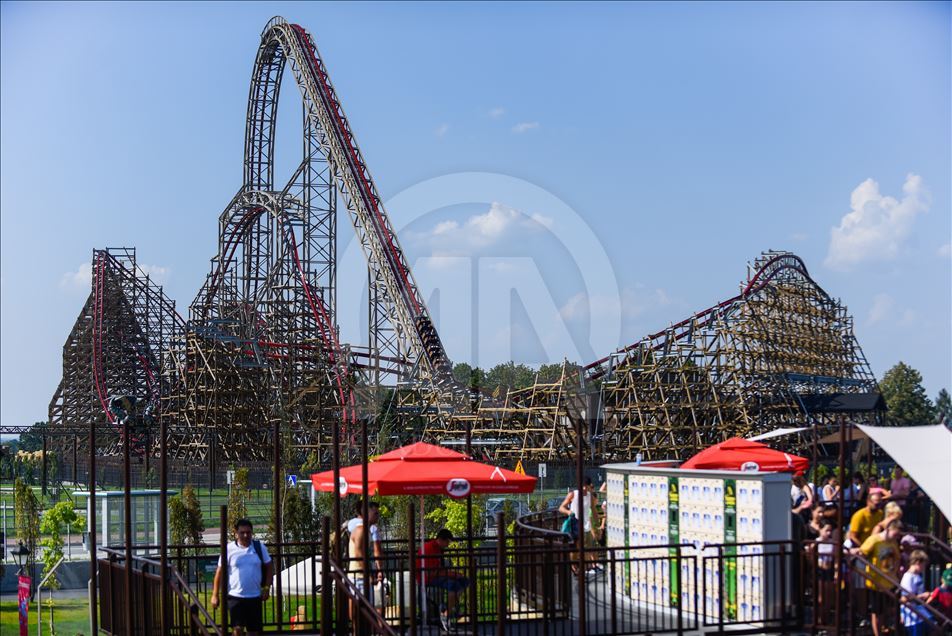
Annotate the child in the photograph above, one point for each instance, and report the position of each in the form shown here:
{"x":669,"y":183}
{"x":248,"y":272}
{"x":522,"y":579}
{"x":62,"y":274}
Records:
{"x":941,"y":597}
{"x":913,"y":586}
{"x":824,"y":563}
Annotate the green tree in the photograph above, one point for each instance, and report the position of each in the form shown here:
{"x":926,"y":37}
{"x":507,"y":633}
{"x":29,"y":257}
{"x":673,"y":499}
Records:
{"x":905,"y":397}
{"x":943,"y":404}
{"x":186,"y":522}
{"x":311,"y":465}
{"x":301,"y":523}
{"x":238,"y":497}
{"x":549,"y":373}
{"x":452,"y":515}
{"x":32,"y":440}
{"x":27,"y":511}
{"x":509,"y":376}
{"x":53,"y":525}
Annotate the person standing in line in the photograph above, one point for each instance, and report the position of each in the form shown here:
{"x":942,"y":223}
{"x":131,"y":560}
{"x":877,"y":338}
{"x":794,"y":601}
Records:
{"x":913,"y":585}
{"x":830,"y":492}
{"x":355,"y":549}
{"x":890,"y":511}
{"x":587,"y":534}
{"x":250,"y":571}
{"x":825,"y":547}
{"x":900,"y":486}
{"x":882,"y":553}
{"x":857,"y":491}
{"x":865,"y":519}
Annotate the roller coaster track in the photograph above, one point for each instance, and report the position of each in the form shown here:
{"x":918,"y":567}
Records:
{"x":118,"y":285}
{"x":400,"y":297}
{"x":761,"y":277}
{"x":262,"y":342}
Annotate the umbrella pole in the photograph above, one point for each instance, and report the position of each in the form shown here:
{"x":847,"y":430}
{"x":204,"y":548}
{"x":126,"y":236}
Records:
{"x":423,"y":562}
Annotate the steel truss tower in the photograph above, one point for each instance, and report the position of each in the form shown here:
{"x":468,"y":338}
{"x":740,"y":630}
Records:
{"x":261,"y":347}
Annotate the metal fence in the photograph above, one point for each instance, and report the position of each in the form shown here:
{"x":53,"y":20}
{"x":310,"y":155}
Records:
{"x":531,"y":582}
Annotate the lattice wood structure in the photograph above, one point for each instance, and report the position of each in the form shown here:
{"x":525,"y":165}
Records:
{"x":260,"y":358}
{"x":535,"y":423}
{"x":120,"y":344}
{"x":746,"y":365}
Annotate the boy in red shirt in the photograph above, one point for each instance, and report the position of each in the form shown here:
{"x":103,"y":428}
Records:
{"x":432,"y":569}
{"x":941,"y":597}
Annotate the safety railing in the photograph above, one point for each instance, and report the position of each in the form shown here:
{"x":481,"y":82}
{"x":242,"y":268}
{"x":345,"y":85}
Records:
{"x":135,"y":608}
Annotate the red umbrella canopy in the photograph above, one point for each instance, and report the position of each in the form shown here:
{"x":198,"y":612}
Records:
{"x":425,"y":469}
{"x":741,"y":454}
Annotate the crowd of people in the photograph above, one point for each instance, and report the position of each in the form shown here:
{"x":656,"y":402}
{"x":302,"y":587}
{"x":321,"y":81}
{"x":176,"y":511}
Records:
{"x":877,"y":549}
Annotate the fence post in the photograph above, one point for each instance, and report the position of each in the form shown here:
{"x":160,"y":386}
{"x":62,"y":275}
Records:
{"x":547,"y":574}
{"x":315,"y":619}
{"x":720,"y":589}
{"x":500,"y":574}
{"x":613,"y":587}
{"x":412,"y":549}
{"x":783,"y":587}
{"x":677,"y":563}
{"x":128,"y":532}
{"x":223,"y":555}
{"x":277,"y":489}
{"x":326,"y":599}
{"x":92,"y":524}
{"x":164,"y":613}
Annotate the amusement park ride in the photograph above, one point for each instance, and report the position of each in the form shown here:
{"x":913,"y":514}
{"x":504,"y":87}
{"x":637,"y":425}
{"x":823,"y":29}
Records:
{"x":259,"y":353}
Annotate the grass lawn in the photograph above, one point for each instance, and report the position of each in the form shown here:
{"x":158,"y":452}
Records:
{"x":70,"y":617}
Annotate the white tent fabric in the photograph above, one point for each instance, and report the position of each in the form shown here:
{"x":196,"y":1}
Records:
{"x":779,"y":432}
{"x":925,"y":452}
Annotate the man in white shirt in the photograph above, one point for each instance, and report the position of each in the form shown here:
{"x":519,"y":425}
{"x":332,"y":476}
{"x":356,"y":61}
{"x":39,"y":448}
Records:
{"x":250,"y":571}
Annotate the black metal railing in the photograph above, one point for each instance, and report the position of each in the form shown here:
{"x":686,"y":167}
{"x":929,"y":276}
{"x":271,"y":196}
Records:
{"x":141,"y":602}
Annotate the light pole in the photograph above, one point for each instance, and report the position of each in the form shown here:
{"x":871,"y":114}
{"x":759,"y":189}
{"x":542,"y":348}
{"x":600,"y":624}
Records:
{"x":20,"y":554}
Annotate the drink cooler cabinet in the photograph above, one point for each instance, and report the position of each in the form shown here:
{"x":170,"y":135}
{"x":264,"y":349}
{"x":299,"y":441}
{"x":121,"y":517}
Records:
{"x":654,"y":504}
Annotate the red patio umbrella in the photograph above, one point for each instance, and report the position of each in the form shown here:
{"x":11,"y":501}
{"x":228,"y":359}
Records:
{"x":425,"y":469}
{"x":742,"y":454}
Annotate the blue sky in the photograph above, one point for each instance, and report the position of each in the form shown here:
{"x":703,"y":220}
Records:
{"x":566,"y":178}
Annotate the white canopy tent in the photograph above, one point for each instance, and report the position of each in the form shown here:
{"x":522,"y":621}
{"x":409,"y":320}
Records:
{"x":778,"y":432}
{"x":925,"y":452}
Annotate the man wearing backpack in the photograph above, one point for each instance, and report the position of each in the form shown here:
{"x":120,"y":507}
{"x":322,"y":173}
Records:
{"x":250,"y":571}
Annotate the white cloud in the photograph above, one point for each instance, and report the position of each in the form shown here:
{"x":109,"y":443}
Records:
{"x":441,"y":130}
{"x":882,"y":308}
{"x":876,"y":226}
{"x":497,"y":112}
{"x":80,"y":280}
{"x":544,"y":221}
{"x":945,"y":251}
{"x":525,"y":126}
{"x":158,"y":274}
{"x":445,"y":227}
{"x":482,"y":230}
{"x":443,"y":261}
{"x":631,"y":303}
